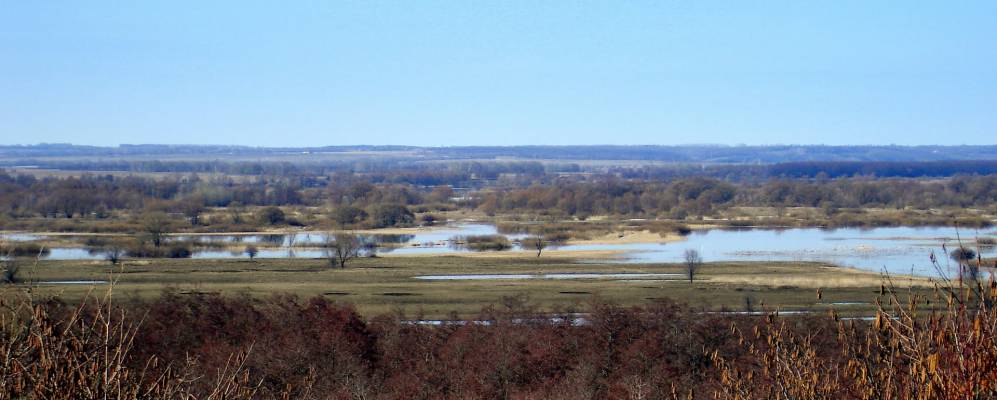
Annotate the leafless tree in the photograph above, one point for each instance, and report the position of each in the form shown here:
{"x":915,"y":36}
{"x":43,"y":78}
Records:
{"x":9,"y":266}
{"x":692,"y":263}
{"x":10,"y":272}
{"x":538,"y":242}
{"x":291,"y":238}
{"x":192,"y":208}
{"x":342,"y":247}
{"x":542,"y":239}
{"x":252,"y":251}
{"x":235,"y":213}
{"x":113,"y":253}
{"x":156,"y":225}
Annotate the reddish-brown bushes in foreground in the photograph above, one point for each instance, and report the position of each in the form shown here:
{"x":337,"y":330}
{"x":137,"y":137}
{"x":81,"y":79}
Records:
{"x":210,"y":346}
{"x":903,"y":353}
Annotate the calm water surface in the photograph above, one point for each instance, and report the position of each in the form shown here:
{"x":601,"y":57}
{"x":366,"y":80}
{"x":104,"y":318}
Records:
{"x":899,"y":250}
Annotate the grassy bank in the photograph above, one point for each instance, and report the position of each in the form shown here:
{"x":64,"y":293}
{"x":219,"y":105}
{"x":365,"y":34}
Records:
{"x":380,"y":285}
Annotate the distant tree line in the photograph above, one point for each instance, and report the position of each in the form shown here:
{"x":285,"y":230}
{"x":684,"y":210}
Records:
{"x":389,"y":200}
{"x":702,"y":196}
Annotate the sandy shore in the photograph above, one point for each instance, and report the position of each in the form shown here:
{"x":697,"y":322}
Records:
{"x":585,"y":254}
{"x":629,"y":237}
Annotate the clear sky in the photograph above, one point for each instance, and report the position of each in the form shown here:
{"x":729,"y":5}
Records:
{"x":309,"y":73}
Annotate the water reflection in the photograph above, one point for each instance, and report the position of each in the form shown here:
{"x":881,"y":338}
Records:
{"x":900,"y":250}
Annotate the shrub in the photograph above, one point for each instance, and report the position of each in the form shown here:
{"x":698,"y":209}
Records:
{"x":251,"y":251}
{"x":25,"y":250}
{"x":963,"y":254}
{"x":484,"y":242}
{"x":429,"y":219}
{"x":196,"y":345}
{"x":386,"y":215}
{"x":171,"y":250}
{"x":271,"y":216}
{"x":291,"y":221}
{"x":50,"y":352}
{"x":178,"y":250}
{"x":345,"y":216}
{"x":10,"y":269}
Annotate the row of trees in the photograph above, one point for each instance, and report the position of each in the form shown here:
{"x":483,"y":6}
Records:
{"x":98,"y":196}
{"x":702,"y":196}
{"x":357,"y":200}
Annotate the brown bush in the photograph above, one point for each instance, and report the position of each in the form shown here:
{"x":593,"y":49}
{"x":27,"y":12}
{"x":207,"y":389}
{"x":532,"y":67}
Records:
{"x":315,"y":348}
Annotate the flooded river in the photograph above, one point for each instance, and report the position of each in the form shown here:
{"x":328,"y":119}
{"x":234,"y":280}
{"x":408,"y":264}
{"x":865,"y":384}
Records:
{"x":899,"y":250}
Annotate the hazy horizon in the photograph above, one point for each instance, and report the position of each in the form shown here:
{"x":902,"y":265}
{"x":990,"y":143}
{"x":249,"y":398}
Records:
{"x":345,"y":145}
{"x":471,"y":74}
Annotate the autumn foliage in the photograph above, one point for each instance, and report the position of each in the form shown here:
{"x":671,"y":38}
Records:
{"x":212,"y":346}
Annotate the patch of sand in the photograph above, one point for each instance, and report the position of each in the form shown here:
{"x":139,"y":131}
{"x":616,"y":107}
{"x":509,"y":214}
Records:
{"x":626,"y":237}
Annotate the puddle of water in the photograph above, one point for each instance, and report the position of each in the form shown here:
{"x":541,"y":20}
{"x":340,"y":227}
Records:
{"x":72,"y":253}
{"x":20,"y":237}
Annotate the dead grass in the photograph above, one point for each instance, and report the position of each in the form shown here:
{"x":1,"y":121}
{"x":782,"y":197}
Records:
{"x":370,"y":283}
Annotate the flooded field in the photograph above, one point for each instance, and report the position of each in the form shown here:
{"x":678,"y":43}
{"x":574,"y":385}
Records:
{"x":898,"y":250}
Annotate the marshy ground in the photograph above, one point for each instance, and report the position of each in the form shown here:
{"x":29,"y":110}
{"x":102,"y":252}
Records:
{"x":388,"y":284}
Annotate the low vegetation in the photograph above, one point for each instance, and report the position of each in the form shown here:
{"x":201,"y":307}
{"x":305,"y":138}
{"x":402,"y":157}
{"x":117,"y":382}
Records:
{"x":157,"y":205}
{"x":941,"y":346}
{"x":483,"y":242}
{"x":356,"y":325}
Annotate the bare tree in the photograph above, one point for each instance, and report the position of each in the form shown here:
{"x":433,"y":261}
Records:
{"x":342,"y":247}
{"x":538,"y":242}
{"x":692,"y":263}
{"x":156,"y":225}
{"x":11,"y":271}
{"x":192,"y":208}
{"x":9,"y":267}
{"x":252,"y":251}
{"x":235,"y":212}
{"x":290,"y":244}
{"x":113,"y":253}
{"x":543,"y":238}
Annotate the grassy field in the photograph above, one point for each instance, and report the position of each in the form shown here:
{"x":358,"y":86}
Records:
{"x":381,"y":285}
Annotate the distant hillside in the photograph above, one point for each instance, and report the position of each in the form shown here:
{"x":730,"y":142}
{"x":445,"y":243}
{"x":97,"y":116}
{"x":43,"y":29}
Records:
{"x":711,"y":154}
{"x":728,"y":154}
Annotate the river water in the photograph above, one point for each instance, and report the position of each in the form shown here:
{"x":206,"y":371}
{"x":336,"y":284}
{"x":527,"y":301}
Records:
{"x":898,"y":250}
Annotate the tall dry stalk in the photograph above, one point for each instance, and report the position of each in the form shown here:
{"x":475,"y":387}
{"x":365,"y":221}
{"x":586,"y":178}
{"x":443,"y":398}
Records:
{"x":916,"y":347}
{"x":85,"y":354}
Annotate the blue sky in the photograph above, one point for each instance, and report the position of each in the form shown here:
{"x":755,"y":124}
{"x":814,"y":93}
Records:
{"x":308,"y":73}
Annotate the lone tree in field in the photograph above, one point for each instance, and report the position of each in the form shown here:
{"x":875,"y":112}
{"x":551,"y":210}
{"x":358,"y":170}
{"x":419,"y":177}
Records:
{"x":252,"y":251}
{"x":113,"y":253}
{"x":342,"y":247}
{"x":156,"y":225}
{"x":692,"y":263}
{"x":538,"y":242}
{"x":541,"y":239}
